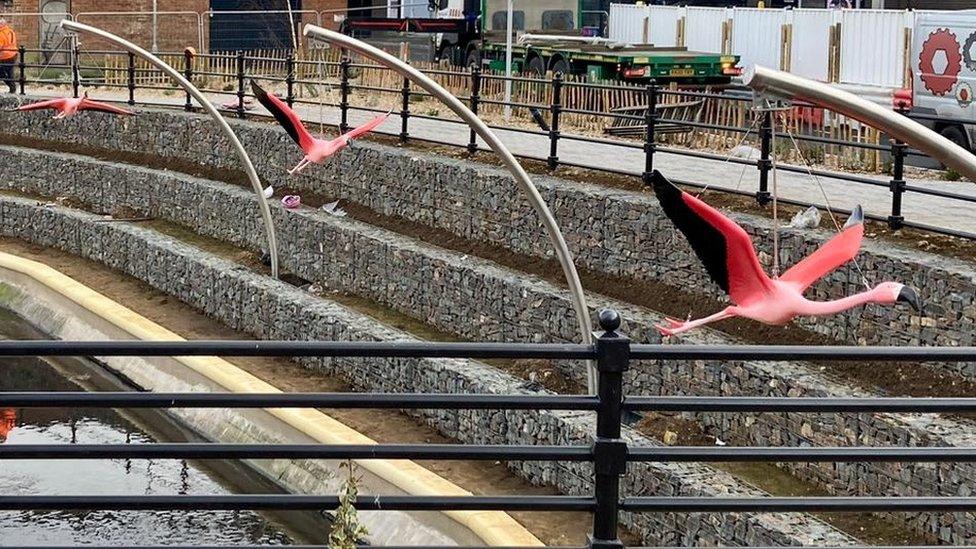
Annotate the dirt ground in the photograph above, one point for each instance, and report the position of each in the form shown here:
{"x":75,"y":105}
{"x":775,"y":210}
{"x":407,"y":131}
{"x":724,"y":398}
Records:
{"x":381,"y":425}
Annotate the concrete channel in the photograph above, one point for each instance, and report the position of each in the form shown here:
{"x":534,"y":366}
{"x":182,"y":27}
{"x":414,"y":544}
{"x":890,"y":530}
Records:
{"x":64,"y":309}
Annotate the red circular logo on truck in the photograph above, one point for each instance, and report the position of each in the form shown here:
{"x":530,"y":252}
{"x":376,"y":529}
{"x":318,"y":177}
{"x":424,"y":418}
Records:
{"x":940,"y":82}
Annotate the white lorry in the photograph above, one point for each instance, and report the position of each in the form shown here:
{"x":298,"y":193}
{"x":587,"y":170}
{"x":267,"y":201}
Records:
{"x":944,"y":72}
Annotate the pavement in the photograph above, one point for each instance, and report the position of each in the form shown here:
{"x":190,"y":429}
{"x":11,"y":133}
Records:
{"x":934,"y":211}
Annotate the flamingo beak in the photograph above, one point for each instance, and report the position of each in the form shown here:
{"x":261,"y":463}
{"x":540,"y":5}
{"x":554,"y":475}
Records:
{"x":910,"y":296}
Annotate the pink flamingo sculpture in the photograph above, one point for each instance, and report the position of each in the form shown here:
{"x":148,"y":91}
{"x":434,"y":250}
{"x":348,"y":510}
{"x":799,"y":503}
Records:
{"x":70,"y":106}
{"x":730,"y":259}
{"x":316,"y":150}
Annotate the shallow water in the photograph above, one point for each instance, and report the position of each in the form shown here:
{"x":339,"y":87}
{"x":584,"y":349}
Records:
{"x":145,"y":477}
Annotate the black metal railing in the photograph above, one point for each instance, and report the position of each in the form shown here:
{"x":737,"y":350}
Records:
{"x":609,"y":452}
{"x":556,"y":88}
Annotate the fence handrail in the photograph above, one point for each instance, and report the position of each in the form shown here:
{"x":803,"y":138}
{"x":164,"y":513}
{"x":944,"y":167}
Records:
{"x":137,"y":13}
{"x":482,"y":452}
{"x":483,"y":350}
{"x":378,"y":401}
{"x":289,"y":502}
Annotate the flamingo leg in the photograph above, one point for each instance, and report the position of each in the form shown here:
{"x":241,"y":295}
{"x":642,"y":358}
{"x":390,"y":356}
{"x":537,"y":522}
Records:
{"x":304,"y":165}
{"x":301,"y":166}
{"x":676,"y":327}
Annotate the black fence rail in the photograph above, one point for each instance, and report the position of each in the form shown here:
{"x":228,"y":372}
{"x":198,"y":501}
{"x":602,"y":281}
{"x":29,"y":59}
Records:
{"x":652,"y":121}
{"x":609,"y":453}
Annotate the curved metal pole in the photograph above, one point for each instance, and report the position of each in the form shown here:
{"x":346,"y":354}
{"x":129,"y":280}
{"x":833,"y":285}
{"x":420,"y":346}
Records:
{"x":228,"y":132}
{"x":513,"y":166}
{"x":784,"y":84}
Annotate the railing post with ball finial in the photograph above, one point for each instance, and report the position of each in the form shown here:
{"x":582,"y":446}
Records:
{"x":609,"y":450}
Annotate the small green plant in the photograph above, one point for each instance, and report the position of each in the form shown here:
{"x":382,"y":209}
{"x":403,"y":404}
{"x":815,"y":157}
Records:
{"x":782,"y":148}
{"x":433,"y":112}
{"x":347,"y":531}
{"x":951,"y":175}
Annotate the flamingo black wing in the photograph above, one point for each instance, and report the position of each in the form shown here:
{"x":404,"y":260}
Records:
{"x":285,"y":116}
{"x":723,"y":247}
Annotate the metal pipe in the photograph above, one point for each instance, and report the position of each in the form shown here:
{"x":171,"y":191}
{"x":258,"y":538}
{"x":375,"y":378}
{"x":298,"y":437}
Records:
{"x":195,"y":450}
{"x":288,"y":502}
{"x":529,"y":38}
{"x":224,"y":126}
{"x":372,"y":349}
{"x":900,"y":127}
{"x":347,"y":401}
{"x":508,"y":60}
{"x":155,"y":26}
{"x":513,"y":166}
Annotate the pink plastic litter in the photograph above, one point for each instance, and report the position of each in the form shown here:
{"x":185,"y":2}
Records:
{"x":291,"y":201}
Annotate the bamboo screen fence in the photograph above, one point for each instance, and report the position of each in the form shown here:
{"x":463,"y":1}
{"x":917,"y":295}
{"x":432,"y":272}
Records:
{"x":317,"y":74}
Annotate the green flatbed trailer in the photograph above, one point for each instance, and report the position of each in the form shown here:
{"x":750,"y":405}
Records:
{"x":473,"y":32}
{"x":599,"y":62}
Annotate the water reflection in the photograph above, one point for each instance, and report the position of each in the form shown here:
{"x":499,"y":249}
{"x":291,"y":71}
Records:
{"x":102,"y":477}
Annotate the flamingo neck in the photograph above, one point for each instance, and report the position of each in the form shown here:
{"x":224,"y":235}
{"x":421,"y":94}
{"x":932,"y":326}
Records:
{"x":874,"y":295}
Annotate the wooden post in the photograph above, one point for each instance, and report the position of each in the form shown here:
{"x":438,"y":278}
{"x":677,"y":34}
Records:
{"x":906,"y":54}
{"x":786,"y":47}
{"x":727,"y":37}
{"x":834,"y":59}
{"x":646,"y":33}
{"x":679,"y":35}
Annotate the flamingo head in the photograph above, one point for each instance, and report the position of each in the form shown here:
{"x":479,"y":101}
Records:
{"x":893,"y":292}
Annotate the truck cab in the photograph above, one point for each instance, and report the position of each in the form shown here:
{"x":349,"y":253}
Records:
{"x":489,"y":18}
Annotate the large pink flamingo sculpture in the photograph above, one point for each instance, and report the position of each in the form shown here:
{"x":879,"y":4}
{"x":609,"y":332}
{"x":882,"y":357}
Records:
{"x":316,"y":150}
{"x":730,"y":259}
{"x":70,"y":106}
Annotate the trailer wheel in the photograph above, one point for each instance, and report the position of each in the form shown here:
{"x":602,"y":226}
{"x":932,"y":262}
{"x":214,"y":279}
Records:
{"x":446,"y":51}
{"x":536,"y":66}
{"x":956,"y":135}
{"x":473,"y":58}
{"x":561,"y":65}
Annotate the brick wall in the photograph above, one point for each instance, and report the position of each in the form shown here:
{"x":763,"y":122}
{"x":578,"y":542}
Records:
{"x":175,"y":31}
{"x":328,"y":20}
{"x":25,"y":26}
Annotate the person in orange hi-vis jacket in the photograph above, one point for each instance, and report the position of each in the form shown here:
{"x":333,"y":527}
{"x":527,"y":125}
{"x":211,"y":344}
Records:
{"x":8,"y":420}
{"x":8,"y":54}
